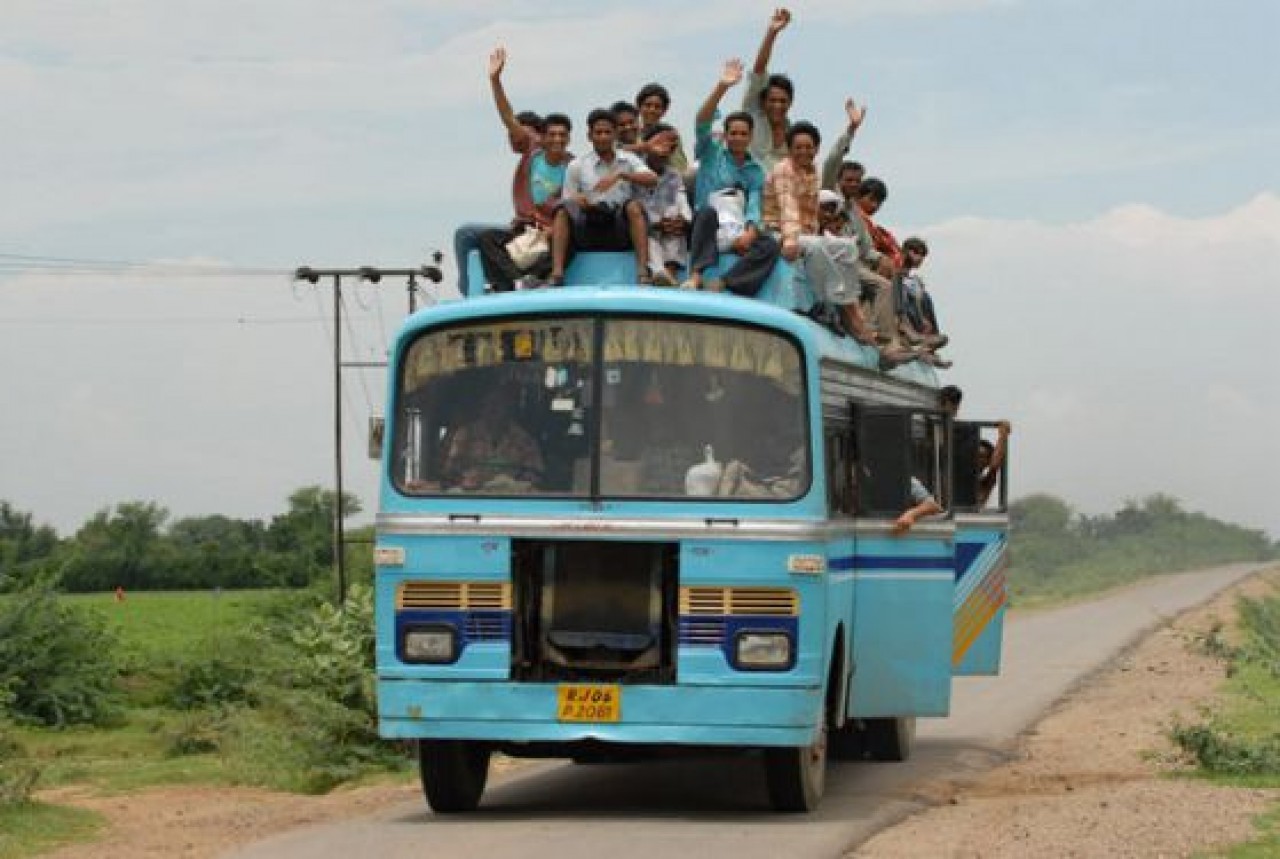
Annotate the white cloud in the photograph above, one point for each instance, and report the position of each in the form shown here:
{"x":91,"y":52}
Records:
{"x":1131,"y":350}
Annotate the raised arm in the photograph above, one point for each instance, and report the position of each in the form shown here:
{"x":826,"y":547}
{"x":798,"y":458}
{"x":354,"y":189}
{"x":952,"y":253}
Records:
{"x":729,"y":77}
{"x":497,"y":62}
{"x":839,"y":149}
{"x":777,"y":23}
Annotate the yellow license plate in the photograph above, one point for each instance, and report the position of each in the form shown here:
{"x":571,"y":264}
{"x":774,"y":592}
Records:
{"x":580,"y":702}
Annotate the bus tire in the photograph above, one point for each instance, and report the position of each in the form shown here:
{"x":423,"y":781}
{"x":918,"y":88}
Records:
{"x":453,"y":774}
{"x":797,"y":776}
{"x":848,"y":742}
{"x":889,"y":739}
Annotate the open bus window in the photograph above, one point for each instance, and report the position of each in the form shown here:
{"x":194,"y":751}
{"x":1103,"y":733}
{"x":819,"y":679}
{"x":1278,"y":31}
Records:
{"x":979,"y":476}
{"x":510,"y":408}
{"x":892,"y":446}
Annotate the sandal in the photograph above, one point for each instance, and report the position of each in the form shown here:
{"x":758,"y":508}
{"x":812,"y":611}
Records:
{"x":555,"y":280}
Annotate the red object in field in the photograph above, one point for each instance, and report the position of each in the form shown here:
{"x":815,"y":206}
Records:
{"x":119,"y":594}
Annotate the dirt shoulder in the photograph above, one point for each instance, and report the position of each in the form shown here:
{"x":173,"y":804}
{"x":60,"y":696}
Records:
{"x":1091,"y":778}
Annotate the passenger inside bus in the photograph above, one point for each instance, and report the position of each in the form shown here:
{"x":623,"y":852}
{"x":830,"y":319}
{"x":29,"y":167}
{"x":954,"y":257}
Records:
{"x":922,"y":504}
{"x":990,"y":461}
{"x":492,"y":452}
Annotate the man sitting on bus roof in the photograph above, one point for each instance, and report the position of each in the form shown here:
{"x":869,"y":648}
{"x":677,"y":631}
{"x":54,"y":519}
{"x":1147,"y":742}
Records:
{"x":727,"y":199}
{"x":768,"y":99}
{"x":599,"y":211}
{"x":466,"y":238}
{"x":535,"y":187}
{"x":791,"y":212}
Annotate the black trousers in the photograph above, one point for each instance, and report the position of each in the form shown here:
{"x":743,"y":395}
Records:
{"x":499,"y":269}
{"x":751,"y":270}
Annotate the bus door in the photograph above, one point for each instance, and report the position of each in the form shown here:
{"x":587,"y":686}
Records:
{"x":904,"y":579}
{"x":980,"y":507}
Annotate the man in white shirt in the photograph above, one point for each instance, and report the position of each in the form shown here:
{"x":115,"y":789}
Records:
{"x":600,"y":210}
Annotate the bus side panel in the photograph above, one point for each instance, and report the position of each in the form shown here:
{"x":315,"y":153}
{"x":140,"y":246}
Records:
{"x":980,"y":598}
{"x":902,"y":627}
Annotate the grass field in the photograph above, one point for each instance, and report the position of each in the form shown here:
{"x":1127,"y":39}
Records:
{"x":35,"y":827}
{"x":156,"y":627}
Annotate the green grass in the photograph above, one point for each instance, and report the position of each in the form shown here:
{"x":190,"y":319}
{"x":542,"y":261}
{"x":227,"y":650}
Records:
{"x":158,"y":626}
{"x":133,"y":755}
{"x":31,"y":828}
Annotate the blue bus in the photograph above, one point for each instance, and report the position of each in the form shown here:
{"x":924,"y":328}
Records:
{"x":619,"y":520}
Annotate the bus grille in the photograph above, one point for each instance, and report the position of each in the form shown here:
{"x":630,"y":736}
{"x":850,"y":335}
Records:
{"x":739,"y":602}
{"x":495,"y":596}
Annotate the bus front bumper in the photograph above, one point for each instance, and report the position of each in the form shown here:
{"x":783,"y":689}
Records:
{"x":666,"y":715}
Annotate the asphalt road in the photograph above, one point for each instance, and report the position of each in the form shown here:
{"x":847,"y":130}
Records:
{"x":718,"y":807}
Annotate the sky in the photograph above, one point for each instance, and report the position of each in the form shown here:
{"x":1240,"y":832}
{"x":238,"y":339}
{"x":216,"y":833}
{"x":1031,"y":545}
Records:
{"x":1097,"y":180}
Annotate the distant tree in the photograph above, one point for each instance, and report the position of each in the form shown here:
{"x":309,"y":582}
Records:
{"x":217,"y":551}
{"x":24,"y":547}
{"x":1041,"y":514}
{"x":118,"y":547}
{"x":305,"y":532}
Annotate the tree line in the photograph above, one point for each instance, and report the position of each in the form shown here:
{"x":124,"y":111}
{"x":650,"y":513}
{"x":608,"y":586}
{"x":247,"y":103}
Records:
{"x":1057,"y":551}
{"x":135,"y":545}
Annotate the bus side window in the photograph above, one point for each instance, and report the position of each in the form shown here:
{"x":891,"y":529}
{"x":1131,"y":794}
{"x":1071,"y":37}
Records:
{"x":882,"y":460}
{"x":965,"y":436}
{"x":840,"y":465}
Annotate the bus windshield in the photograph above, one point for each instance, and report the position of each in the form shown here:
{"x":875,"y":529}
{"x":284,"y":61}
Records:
{"x":588,"y":406}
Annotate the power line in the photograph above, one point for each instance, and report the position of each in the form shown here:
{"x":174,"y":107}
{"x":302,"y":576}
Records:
{"x":154,"y":320}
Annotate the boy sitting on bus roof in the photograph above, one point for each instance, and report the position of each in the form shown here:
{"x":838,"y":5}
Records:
{"x":728,"y":196}
{"x":599,"y":211}
{"x":667,"y":207}
{"x":917,"y":321}
{"x":653,"y":101}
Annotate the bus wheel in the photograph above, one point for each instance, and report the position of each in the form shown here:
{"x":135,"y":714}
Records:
{"x":889,"y":739}
{"x":797,"y":776}
{"x":453,"y":774}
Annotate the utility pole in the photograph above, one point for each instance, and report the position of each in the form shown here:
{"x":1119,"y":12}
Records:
{"x":373,"y":275}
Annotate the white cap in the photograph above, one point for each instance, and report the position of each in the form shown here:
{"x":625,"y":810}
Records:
{"x":826,"y":195}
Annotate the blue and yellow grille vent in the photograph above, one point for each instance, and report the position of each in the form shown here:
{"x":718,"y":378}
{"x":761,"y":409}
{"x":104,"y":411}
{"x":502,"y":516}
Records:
{"x":479,"y":611}
{"x":454,"y":596}
{"x":730,"y":601}
{"x":710,"y":616}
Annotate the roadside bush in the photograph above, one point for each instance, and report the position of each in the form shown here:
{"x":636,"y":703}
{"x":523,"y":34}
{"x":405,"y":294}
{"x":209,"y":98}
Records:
{"x":314,"y":723}
{"x":17,"y":774}
{"x":1246,"y":742}
{"x":56,"y":661}
{"x":1217,"y":751}
{"x":213,"y":682}
{"x":197,"y":733}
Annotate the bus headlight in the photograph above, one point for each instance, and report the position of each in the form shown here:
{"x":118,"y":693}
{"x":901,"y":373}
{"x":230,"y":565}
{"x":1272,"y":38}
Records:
{"x":762,"y":650}
{"x":437,"y":643}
